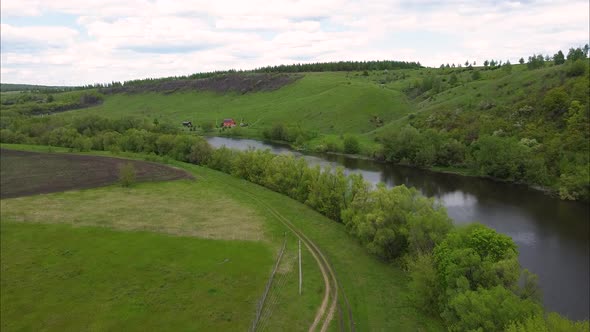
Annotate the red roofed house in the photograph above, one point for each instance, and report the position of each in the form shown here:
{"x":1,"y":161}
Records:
{"x":229,"y":123}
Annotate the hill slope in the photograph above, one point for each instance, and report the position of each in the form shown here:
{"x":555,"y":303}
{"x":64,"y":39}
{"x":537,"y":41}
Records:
{"x":507,"y":122}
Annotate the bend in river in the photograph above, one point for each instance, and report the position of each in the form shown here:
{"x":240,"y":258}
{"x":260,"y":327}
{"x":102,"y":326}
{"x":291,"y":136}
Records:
{"x":552,"y":235}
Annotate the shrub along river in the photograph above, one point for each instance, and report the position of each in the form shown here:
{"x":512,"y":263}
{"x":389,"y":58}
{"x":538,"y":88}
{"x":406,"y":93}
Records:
{"x":552,"y":235}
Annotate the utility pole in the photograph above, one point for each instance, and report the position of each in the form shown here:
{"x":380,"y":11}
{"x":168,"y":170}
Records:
{"x":300,"y":272}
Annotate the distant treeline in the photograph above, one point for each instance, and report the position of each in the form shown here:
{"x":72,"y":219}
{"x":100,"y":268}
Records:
{"x":340,"y":66}
{"x":48,"y":102}
{"x":294,"y":68}
{"x":8,"y":87}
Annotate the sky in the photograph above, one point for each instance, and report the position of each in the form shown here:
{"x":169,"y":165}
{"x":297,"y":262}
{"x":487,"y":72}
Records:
{"x":73,"y":42}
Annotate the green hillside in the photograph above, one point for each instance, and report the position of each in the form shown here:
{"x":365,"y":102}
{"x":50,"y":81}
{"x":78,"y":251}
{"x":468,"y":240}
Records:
{"x":326,"y":103}
{"x":524,"y":123}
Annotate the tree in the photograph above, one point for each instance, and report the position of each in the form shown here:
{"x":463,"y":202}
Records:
{"x":351,"y":145}
{"x":466,"y":63}
{"x":402,"y":145}
{"x":423,"y":283}
{"x":397,"y":221}
{"x":278,"y":132}
{"x":521,"y":61}
{"x":576,"y":54}
{"x":576,"y":68}
{"x":552,"y":322}
{"x":486,"y":64}
{"x":559,"y":58}
{"x":488,"y":310}
{"x":127,"y":175}
{"x":535,"y":62}
{"x":200,"y":152}
{"x":556,"y":102}
{"x":502,"y":158}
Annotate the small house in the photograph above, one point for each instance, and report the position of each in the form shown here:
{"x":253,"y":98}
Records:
{"x":228,"y":123}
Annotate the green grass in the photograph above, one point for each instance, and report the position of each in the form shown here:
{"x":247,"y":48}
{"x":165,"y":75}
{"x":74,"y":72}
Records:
{"x":192,"y":208}
{"x":327,"y":106}
{"x":59,"y":278}
{"x":327,"y":103}
{"x":377,"y":292}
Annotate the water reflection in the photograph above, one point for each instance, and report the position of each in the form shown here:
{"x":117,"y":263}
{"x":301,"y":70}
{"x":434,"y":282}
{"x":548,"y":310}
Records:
{"x":552,"y":235}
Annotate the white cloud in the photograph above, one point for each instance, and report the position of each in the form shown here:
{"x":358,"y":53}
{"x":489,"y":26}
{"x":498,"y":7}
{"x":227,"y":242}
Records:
{"x":119,"y":40}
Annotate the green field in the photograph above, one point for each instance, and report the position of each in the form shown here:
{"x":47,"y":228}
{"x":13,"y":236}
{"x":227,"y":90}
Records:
{"x":176,"y":215}
{"x":59,"y":278}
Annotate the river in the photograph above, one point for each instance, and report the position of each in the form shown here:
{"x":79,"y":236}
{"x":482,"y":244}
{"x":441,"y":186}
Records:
{"x":553,"y":236}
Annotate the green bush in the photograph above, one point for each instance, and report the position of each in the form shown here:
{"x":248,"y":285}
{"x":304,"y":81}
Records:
{"x":577,"y":68}
{"x":351,"y":145}
{"x":127,"y":175}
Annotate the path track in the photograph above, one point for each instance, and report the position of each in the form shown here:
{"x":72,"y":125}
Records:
{"x":330,"y":303}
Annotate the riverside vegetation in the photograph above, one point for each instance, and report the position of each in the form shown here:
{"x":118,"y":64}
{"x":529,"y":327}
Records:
{"x":525,"y":123}
{"x":457,"y":273}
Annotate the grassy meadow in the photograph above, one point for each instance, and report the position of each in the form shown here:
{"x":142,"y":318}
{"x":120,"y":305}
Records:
{"x":56,"y":277}
{"x":179,"y":211}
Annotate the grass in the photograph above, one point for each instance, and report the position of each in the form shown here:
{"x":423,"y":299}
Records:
{"x":378,"y":292}
{"x":190,"y":210}
{"x":327,"y":103}
{"x":178,"y":207}
{"x":59,"y":278}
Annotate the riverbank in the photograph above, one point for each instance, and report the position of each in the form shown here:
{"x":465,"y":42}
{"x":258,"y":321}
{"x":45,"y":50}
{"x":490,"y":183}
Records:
{"x":544,"y":228}
{"x":466,"y":172}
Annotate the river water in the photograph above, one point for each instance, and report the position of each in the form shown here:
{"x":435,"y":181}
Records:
{"x":553,"y":236}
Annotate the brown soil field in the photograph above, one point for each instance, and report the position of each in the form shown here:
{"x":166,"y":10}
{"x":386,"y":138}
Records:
{"x":220,"y":84}
{"x":29,"y":173}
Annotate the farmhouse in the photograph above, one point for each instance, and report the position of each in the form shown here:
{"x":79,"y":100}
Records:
{"x":228,"y":123}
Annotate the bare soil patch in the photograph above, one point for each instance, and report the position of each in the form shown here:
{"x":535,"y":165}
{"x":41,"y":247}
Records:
{"x":241,"y":83}
{"x":24,"y":173}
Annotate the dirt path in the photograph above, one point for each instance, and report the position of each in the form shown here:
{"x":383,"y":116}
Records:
{"x":327,"y":310}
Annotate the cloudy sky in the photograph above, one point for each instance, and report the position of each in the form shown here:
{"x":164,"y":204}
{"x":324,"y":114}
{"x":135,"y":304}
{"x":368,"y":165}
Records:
{"x":72,"y":42}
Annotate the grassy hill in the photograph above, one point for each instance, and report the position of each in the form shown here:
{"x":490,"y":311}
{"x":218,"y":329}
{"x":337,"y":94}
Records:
{"x":319,"y":103}
{"x":449,"y":118}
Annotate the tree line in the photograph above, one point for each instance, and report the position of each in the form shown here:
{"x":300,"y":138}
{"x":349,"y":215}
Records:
{"x":38,"y":103}
{"x":467,"y":275}
{"x":340,"y":66}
